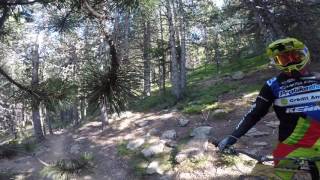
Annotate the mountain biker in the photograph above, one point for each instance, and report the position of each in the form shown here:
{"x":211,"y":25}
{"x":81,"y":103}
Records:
{"x":295,"y":96}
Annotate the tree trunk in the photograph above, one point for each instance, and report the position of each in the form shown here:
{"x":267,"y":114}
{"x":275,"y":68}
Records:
{"x":162,"y":67}
{"x":49,"y":121}
{"x":82,"y":108}
{"x":183,"y":72}
{"x":42,"y":118}
{"x":116,"y":28}
{"x":4,"y":17}
{"x":104,"y":113}
{"x":35,"y":101}
{"x":75,"y":111}
{"x":126,"y":50}
{"x":175,"y":79}
{"x":146,"y":57}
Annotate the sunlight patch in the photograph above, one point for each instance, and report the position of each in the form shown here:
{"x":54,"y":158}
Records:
{"x":250,"y":95}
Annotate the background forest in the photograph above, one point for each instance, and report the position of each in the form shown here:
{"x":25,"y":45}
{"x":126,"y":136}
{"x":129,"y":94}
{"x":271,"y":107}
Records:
{"x":66,"y":62}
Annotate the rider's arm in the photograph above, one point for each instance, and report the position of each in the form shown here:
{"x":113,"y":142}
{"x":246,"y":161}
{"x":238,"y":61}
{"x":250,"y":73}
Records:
{"x":259,"y":109}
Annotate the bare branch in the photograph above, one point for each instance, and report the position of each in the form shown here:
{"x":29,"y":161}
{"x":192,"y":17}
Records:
{"x":20,"y":86}
{"x":92,"y":11}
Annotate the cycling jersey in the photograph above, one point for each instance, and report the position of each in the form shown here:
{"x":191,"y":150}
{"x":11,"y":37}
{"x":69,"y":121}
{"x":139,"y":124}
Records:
{"x":296,"y":102}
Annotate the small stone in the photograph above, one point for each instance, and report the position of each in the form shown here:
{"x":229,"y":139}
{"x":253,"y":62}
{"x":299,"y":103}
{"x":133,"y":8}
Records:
{"x":153,"y":150}
{"x":272,"y":124}
{"x":218,"y":112}
{"x":183,"y":121}
{"x":75,"y":149}
{"x":194,"y":150}
{"x":201,"y":132}
{"x":238,"y":75}
{"x":260,"y":143}
{"x":154,"y":132}
{"x":181,"y":157}
{"x":142,"y":123}
{"x":135,"y":144}
{"x":171,"y":144}
{"x":153,"y":168}
{"x":253,"y":132}
{"x":170,"y":134}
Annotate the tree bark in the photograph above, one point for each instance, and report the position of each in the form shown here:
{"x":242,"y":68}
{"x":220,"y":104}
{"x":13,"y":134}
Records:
{"x":35,"y":101}
{"x":4,"y":16}
{"x":49,"y":121}
{"x":104,"y":113}
{"x":162,"y":64}
{"x":126,"y":50}
{"x":183,"y":72}
{"x":175,"y":79}
{"x":146,"y":57}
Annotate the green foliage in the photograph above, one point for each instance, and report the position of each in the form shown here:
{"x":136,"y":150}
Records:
{"x":57,"y":92}
{"x":122,"y":149}
{"x":14,"y":147}
{"x":64,"y":169}
{"x":199,"y":97}
{"x":245,"y":65}
{"x":106,"y":82}
{"x":7,"y":175}
{"x":162,"y":101}
{"x":137,"y":161}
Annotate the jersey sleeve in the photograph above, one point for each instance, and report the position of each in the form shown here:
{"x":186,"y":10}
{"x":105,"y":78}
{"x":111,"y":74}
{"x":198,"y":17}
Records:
{"x":259,"y":109}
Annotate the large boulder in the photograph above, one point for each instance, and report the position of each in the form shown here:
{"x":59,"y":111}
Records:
{"x":201,"y":132}
{"x":183,"y":121}
{"x":153,"y":149}
{"x":135,"y":144}
{"x":194,"y":150}
{"x":154,"y":167}
{"x":170,"y":134}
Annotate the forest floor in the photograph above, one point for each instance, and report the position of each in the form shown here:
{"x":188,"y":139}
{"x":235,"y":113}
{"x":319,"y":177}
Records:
{"x":106,"y":146}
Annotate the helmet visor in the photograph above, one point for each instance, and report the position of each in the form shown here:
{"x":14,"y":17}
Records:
{"x":288,"y":58}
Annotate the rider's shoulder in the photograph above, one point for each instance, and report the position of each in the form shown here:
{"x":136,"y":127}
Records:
{"x":271,"y":81}
{"x":316,"y":74}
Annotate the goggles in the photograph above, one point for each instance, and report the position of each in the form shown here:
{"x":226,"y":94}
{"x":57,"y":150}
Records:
{"x":289,"y":58}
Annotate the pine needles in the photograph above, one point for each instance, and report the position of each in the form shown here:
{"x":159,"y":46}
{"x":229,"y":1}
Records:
{"x":65,"y":169}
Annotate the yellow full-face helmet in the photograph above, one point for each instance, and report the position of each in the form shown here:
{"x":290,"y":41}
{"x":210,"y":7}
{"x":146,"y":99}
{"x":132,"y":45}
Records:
{"x":288,"y":54}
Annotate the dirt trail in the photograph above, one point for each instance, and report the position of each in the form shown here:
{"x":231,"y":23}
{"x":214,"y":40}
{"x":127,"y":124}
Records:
{"x":103,"y":144}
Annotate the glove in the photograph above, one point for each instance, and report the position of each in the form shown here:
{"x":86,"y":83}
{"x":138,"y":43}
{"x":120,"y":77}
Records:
{"x":226,"y":142}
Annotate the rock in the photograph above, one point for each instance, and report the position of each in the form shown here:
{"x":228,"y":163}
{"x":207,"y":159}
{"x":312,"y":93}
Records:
{"x":251,"y":151}
{"x":183,"y":121}
{"x":272,"y":124}
{"x":171,"y":144}
{"x":75,"y":149}
{"x":153,"y":132}
{"x":135,"y":144}
{"x":170,"y":134}
{"x":194,"y":150}
{"x":218,"y":112}
{"x":260,"y":143}
{"x":142,"y":123}
{"x":238,"y":75}
{"x":201,"y":132}
{"x":154,"y":167}
{"x":153,"y":149}
{"x":253,"y":132}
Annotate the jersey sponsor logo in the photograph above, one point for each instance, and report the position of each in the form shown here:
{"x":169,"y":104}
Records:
{"x":298,"y":99}
{"x":301,"y":109}
{"x":299,"y":89}
{"x":271,"y":81}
